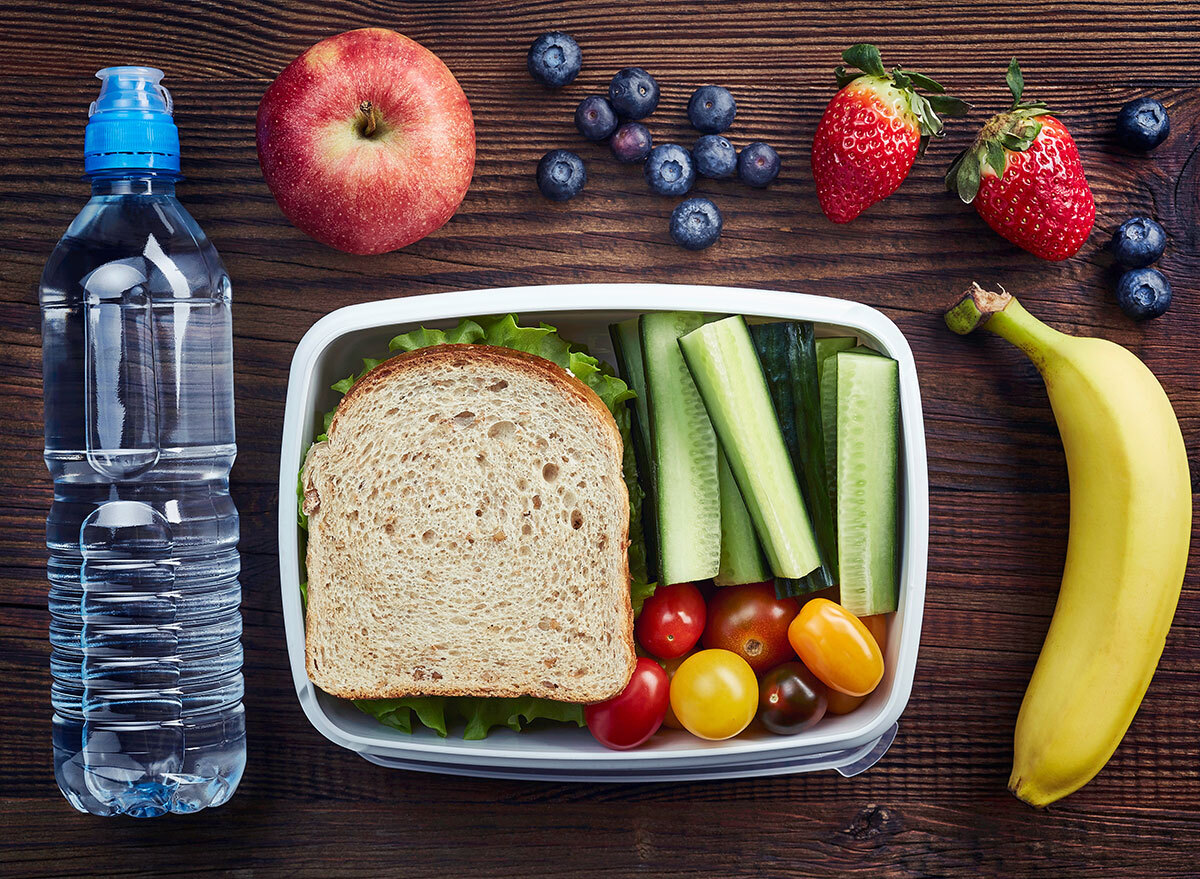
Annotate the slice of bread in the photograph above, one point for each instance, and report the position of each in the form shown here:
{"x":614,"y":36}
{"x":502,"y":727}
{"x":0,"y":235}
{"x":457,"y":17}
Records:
{"x":467,"y":534}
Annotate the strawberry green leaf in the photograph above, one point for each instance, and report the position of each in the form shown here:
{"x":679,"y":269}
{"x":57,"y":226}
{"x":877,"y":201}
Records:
{"x":1016,"y":82}
{"x":922,"y":81}
{"x":901,"y":79}
{"x":865,"y":57}
{"x":997,"y":158}
{"x":948,"y":105}
{"x":845,"y":77}
{"x":969,"y":176}
{"x":951,"y":179}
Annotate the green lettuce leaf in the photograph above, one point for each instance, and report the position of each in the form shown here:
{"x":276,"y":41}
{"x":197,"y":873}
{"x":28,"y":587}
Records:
{"x":479,"y":715}
{"x":398,"y":713}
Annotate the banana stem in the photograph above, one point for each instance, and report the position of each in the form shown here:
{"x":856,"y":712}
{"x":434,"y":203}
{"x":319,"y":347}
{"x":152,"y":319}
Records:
{"x":1002,"y":314}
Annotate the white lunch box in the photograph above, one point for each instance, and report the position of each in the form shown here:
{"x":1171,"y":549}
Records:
{"x":334,"y":347}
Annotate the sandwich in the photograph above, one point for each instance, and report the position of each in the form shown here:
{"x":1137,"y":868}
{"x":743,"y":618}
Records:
{"x":468,"y":525}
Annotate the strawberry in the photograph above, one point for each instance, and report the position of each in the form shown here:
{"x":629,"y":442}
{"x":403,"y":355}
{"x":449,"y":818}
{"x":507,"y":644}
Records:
{"x":1024,"y":177}
{"x":872,"y":131}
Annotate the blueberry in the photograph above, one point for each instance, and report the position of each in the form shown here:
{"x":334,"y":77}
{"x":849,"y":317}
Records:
{"x":560,"y":175}
{"x":1143,"y":124}
{"x":595,"y":119}
{"x":554,"y":59}
{"x":758,"y":164}
{"x":631,"y":142}
{"x":634,"y":93}
{"x":696,"y":224}
{"x":1143,"y":293}
{"x":711,"y":109}
{"x":669,"y":169}
{"x":1138,"y":242}
{"x":715,"y":156}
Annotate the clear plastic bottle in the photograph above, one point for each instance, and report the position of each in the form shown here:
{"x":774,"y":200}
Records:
{"x":142,"y":534}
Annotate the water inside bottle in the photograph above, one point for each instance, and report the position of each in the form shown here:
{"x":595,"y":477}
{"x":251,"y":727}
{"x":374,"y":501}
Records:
{"x":142,"y":532}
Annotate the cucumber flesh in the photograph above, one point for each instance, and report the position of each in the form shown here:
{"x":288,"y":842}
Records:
{"x":741,"y":556}
{"x":683,"y":452}
{"x":828,"y":394}
{"x":627,"y":346}
{"x":868,"y":464}
{"x":787,"y":352}
{"x":722,"y":360}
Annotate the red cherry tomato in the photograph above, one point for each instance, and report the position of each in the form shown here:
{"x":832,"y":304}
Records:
{"x":750,"y":621}
{"x":633,"y":715}
{"x":671,"y":621}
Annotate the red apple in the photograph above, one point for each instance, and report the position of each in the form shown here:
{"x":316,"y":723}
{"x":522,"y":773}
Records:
{"x":367,"y":141}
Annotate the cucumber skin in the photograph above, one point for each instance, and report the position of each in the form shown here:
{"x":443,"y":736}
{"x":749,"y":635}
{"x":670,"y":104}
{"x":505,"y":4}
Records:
{"x":829,"y":346}
{"x":635,"y":377}
{"x":788,"y":357}
{"x":829,"y":430}
{"x":669,"y":378}
{"x":868,"y":559}
{"x":713,"y":354}
{"x":742,"y":558}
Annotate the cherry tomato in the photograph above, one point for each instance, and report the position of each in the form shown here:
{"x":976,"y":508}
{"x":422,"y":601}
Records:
{"x":752,"y":622}
{"x":714,"y":694}
{"x":790,"y":699}
{"x":670,"y":666}
{"x":836,"y":647}
{"x":877,"y":625}
{"x":671,"y":620}
{"x":840,"y":703}
{"x":633,"y":715}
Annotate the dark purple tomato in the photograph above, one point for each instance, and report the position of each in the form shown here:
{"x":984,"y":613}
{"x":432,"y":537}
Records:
{"x":791,"y":699}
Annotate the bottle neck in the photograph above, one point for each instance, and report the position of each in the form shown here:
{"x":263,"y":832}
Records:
{"x":127,"y":182}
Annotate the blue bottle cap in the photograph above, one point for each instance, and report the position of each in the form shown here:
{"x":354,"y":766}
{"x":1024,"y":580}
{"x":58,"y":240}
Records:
{"x":130,"y":123}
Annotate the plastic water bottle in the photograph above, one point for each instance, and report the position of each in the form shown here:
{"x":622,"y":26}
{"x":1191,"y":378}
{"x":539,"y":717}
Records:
{"x":142,"y":534}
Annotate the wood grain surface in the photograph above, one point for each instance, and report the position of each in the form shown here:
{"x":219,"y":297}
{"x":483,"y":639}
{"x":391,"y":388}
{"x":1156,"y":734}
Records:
{"x":936,"y":805}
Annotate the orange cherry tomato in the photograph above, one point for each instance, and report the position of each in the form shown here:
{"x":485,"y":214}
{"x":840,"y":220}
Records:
{"x":877,"y":625}
{"x":836,"y":647}
{"x":840,"y":703}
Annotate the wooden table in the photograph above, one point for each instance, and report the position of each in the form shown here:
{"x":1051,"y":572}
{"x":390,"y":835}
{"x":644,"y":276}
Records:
{"x":936,"y":805}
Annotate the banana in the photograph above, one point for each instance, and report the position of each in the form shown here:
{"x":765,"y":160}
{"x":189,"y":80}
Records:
{"x":1130,"y":526}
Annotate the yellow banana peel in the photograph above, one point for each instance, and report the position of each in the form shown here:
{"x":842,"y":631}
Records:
{"x":1130,"y":528}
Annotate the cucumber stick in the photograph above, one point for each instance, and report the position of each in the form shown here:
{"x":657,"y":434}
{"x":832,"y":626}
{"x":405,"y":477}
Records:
{"x":741,"y":556}
{"x":627,"y":345}
{"x":829,"y":346}
{"x":787,"y":352}
{"x":867,"y":425}
{"x":683,"y":452}
{"x":722,"y":360}
{"x":828,"y":382}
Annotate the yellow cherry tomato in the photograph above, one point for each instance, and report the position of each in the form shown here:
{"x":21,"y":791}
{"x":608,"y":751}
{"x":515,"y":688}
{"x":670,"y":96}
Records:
{"x":836,"y":647}
{"x":714,"y":694}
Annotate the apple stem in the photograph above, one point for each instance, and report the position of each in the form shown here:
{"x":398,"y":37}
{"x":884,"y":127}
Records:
{"x":371,"y":118}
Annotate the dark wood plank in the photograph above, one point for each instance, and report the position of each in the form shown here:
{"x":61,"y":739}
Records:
{"x":936,"y":805}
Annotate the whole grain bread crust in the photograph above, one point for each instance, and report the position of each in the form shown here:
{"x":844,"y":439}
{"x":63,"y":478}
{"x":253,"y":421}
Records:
{"x":450,"y":356}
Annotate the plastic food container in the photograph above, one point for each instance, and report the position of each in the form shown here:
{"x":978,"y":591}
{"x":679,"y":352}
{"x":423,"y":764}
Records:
{"x":335,"y":346}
